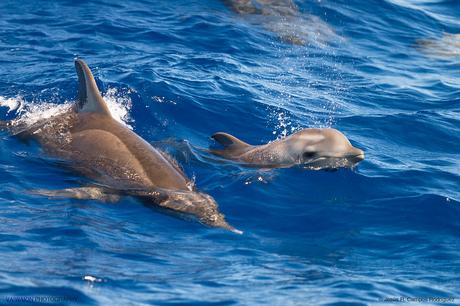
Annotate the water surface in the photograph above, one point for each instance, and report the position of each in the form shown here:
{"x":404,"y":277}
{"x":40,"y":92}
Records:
{"x":178,"y":71}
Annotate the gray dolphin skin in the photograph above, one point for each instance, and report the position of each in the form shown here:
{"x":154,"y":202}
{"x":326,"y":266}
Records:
{"x":118,"y":160}
{"x":263,"y":7}
{"x":315,"y":149}
{"x":447,"y":46}
{"x":283,"y":18}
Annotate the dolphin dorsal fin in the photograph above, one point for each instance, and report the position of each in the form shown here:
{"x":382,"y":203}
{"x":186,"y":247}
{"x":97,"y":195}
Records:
{"x":89,"y":97}
{"x":230,"y":142}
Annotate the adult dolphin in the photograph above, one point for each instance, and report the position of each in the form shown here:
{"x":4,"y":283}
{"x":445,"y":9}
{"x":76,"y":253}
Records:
{"x":324,"y":148}
{"x":118,"y":160}
{"x":263,"y":7}
{"x":283,"y":18}
{"x":447,"y":46}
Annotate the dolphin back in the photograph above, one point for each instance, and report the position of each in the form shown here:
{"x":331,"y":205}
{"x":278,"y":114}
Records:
{"x":89,"y":97}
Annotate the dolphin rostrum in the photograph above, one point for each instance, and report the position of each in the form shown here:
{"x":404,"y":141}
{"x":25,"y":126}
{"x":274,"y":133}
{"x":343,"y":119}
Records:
{"x":316,"y":149}
{"x":118,"y":160}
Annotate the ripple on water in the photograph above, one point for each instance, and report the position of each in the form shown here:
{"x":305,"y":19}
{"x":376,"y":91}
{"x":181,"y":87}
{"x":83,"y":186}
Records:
{"x":180,"y":71}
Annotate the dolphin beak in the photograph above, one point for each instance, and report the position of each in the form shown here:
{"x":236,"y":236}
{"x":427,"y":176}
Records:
{"x":236,"y":231}
{"x":231,"y":228}
{"x":223,"y":224}
{"x":358,"y":155}
{"x":218,"y":220}
{"x":355,"y":155}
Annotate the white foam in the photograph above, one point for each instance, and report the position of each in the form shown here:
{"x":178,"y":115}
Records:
{"x":92,"y":279}
{"x":119,"y":104}
{"x":15,"y":103}
{"x":29,"y":112}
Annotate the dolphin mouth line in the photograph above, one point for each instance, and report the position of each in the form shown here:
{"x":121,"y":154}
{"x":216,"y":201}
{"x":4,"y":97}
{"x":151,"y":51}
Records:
{"x":353,"y":158}
{"x":357,"y":157}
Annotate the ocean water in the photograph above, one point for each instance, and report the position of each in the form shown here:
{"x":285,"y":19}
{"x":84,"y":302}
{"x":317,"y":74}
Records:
{"x":178,"y":71}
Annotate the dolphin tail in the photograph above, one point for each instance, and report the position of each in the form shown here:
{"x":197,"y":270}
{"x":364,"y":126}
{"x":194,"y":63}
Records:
{"x":89,"y":97}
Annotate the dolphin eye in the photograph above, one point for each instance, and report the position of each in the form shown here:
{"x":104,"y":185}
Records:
{"x":308,"y":155}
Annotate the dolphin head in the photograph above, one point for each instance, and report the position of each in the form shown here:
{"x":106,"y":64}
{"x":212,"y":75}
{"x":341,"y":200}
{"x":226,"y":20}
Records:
{"x":197,"y":204}
{"x":324,"y":148}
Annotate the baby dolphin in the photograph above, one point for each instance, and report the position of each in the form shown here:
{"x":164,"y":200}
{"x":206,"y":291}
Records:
{"x":316,"y":149}
{"x":118,"y":160}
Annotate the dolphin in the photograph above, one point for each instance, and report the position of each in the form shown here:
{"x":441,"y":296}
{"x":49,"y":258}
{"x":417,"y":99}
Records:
{"x":263,"y":7}
{"x":314,"y":148}
{"x":283,"y":18}
{"x":448,"y":46}
{"x":115,"y":158}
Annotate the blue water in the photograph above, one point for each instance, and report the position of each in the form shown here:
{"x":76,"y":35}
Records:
{"x":178,"y":71}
